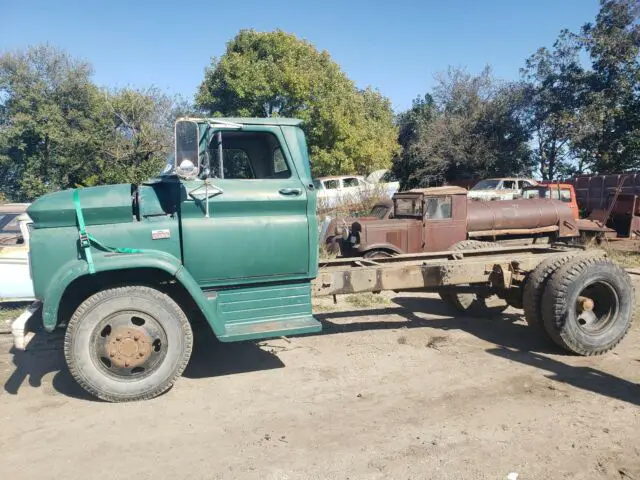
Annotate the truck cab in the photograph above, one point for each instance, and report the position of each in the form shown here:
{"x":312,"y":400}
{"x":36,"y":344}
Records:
{"x":557,"y":191}
{"x":424,"y":220}
{"x":228,"y":232}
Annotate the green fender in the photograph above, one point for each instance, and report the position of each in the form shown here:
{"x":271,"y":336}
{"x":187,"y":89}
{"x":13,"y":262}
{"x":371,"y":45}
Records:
{"x":105,"y":261}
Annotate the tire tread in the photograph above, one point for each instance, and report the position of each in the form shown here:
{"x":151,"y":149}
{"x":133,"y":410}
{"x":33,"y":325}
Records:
{"x":119,"y":292}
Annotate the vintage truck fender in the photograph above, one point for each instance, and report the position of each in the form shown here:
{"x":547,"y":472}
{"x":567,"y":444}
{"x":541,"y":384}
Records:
{"x":381,"y":246}
{"x":104,"y":262}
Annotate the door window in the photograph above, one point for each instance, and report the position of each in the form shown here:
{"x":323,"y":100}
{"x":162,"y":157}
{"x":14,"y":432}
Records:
{"x":331,"y":184}
{"x":248,"y":155}
{"x":565,"y":195}
{"x":350,"y":182}
{"x":437,"y":208}
{"x":508,"y":184}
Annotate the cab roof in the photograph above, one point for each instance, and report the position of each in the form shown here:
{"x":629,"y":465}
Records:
{"x":251,"y":120}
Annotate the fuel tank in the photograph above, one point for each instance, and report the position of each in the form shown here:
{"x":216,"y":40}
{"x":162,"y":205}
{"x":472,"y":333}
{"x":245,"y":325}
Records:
{"x":522,"y":214}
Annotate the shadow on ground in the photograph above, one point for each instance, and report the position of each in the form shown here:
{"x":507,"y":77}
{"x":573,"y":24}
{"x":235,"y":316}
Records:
{"x":502,"y":330}
{"x":586,"y":378}
{"x":211,"y":358}
{"x":32,"y":365}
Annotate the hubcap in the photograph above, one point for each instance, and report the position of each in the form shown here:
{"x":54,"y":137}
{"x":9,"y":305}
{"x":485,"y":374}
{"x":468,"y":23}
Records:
{"x":129,"y":344}
{"x":596,"y":307}
{"x":129,"y":347}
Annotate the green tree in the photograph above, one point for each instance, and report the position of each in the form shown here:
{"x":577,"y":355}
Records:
{"x":276,"y":74}
{"x":59,"y":130}
{"x":554,"y":88}
{"x":585,"y":117}
{"x":469,"y":127}
{"x":609,"y":138}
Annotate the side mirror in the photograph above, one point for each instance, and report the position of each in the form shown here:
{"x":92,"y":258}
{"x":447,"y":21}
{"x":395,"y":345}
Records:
{"x":187,"y":159}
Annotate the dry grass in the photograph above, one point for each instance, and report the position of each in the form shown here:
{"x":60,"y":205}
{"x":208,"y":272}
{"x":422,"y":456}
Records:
{"x":366,"y":300}
{"x":354,"y":205}
{"x":11,"y":311}
{"x":324,"y":253}
{"x":623,"y":258}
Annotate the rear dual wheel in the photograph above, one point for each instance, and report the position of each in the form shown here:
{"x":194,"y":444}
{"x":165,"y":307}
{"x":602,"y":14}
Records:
{"x":129,"y":343}
{"x":588,"y":305}
{"x":535,"y":284}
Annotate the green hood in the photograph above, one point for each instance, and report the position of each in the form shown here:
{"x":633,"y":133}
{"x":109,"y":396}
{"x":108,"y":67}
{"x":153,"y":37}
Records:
{"x":100,"y":205}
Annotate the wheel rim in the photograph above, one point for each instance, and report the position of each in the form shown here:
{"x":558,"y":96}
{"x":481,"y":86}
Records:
{"x":128,"y":345}
{"x":596,"y":307}
{"x":378,"y":254}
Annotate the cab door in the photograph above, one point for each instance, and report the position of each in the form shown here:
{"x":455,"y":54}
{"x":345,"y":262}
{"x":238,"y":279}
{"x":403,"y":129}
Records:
{"x":445,"y":221}
{"x":257,"y":228}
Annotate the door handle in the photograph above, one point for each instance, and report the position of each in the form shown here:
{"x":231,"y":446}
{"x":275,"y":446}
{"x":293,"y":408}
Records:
{"x":290,"y":191}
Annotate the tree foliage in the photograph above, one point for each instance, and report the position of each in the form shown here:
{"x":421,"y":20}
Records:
{"x":468,"y":128}
{"x":59,"y":130}
{"x":276,"y":74}
{"x":585,"y":117}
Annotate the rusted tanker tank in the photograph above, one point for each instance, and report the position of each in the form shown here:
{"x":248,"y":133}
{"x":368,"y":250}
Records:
{"x":517,"y":216}
{"x":433,"y":219}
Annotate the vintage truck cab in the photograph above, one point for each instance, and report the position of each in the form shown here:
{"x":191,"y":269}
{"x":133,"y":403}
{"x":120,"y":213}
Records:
{"x":228,"y":231}
{"x":435,"y":219}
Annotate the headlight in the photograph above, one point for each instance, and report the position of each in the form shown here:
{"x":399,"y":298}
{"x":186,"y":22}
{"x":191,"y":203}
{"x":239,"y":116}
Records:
{"x":345,"y":234}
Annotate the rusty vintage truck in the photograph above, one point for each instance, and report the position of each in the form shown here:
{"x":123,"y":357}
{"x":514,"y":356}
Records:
{"x":433,"y":219}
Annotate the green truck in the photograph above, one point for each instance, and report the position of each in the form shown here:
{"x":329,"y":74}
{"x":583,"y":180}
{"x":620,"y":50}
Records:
{"x":228,"y":233}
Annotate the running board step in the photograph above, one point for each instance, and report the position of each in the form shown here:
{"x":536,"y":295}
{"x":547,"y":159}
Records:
{"x":271,"y":328}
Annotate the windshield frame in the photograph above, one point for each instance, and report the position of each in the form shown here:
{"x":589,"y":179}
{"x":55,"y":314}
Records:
{"x":412,"y":211}
{"x":482,"y":184}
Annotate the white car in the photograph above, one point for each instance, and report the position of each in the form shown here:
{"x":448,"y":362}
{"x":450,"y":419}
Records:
{"x":338,"y":189}
{"x":385,"y":179}
{"x":349,"y":188}
{"x":15,"y":279}
{"x":499,"y":188}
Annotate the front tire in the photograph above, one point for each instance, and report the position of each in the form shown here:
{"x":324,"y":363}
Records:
{"x":127,"y":343}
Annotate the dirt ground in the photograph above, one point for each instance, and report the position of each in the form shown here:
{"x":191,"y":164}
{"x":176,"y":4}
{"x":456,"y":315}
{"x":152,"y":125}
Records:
{"x":391,"y":392}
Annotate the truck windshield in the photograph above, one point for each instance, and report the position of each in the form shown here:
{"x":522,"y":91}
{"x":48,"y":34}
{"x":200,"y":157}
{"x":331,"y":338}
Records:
{"x":486,"y":185}
{"x":563,"y":194}
{"x":411,"y":207}
{"x":534,"y":193}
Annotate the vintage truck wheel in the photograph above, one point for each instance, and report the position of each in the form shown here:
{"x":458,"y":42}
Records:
{"x":537,"y":280}
{"x":378,"y":253}
{"x":480,"y":304}
{"x":128,"y":343}
{"x":588,"y":306}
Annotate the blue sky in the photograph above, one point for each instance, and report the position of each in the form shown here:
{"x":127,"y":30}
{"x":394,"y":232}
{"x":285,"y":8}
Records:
{"x":396,"y":47}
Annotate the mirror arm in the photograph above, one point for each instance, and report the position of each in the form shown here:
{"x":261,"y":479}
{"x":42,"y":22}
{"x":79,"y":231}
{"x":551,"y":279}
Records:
{"x":220,"y":162}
